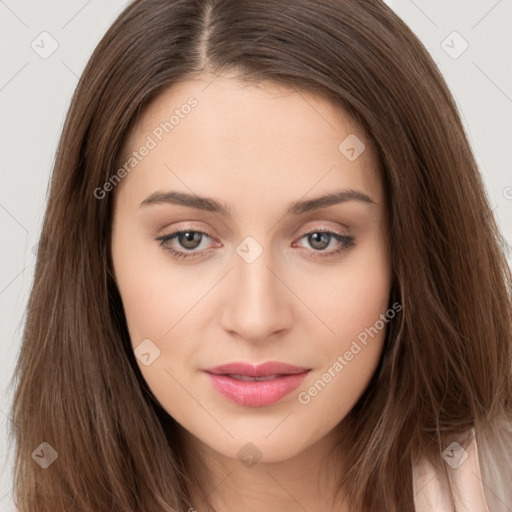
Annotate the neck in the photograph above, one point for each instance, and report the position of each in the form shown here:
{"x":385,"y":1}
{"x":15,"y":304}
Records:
{"x":309,"y":480}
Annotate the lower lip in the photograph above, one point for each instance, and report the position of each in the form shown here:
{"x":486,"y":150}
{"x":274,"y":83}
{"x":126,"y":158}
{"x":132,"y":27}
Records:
{"x":256,"y":393}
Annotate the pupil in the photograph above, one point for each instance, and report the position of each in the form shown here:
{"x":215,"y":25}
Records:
{"x":317,"y":238}
{"x":189,"y":239}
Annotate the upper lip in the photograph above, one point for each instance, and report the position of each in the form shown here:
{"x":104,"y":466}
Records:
{"x":261,"y":370}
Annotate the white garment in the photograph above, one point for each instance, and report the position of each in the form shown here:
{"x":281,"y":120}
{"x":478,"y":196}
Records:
{"x":483,"y":479}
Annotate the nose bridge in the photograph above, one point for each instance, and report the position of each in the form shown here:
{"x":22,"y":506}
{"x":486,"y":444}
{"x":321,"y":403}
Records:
{"x":258,"y":300}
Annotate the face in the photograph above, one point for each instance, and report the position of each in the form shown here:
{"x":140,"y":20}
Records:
{"x":257,"y":314}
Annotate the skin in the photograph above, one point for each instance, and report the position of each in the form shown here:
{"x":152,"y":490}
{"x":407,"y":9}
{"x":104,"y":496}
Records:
{"x":256,"y":149}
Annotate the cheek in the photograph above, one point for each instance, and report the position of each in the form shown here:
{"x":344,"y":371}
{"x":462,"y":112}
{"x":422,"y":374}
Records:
{"x":356,"y":309}
{"x":154,"y":291}
{"x":158,"y":300}
{"x":356,"y":294}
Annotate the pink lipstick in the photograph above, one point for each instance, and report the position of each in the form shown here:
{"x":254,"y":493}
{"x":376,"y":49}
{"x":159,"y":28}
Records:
{"x":256,"y":385}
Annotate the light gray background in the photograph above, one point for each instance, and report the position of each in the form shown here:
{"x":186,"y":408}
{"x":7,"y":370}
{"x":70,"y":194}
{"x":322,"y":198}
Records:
{"x":35,"y":93}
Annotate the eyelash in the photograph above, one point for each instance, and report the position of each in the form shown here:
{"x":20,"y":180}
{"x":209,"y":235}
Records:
{"x":347,"y":243}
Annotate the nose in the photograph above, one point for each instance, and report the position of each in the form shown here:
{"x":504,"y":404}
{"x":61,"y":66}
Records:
{"x":259,"y":303}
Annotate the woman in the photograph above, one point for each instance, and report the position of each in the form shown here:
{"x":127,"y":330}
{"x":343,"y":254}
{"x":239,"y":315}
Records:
{"x":270,"y":277}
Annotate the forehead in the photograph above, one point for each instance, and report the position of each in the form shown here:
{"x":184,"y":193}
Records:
{"x":247,"y":135}
{"x":228,"y":102}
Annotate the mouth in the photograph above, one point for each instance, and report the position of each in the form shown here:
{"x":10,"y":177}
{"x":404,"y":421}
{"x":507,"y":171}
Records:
{"x":249,"y":379}
{"x":256,"y":385}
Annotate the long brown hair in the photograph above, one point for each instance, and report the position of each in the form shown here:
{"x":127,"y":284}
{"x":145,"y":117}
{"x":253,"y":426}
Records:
{"x":446,"y":364}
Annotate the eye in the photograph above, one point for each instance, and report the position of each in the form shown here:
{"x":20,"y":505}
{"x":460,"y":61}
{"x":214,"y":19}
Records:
{"x":320,"y":239}
{"x":190,"y":240}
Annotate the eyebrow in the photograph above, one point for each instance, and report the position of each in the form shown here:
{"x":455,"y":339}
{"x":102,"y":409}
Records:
{"x":295,"y":208}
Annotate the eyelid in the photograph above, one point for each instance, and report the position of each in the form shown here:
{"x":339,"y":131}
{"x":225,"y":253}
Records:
{"x":321,"y":227}
{"x":181,"y":254}
{"x":300,"y":233}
